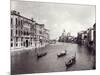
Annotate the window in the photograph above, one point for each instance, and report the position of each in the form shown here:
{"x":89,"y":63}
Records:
{"x":11,"y":23}
{"x":11,"y":33}
{"x":24,"y":33}
{"x":85,"y":37}
{"x":31,"y":39}
{"x":11,"y":39}
{"x":24,"y":43}
{"x":16,"y":39}
{"x":11,"y":44}
{"x":27,"y":33}
{"x":16,"y":44}
{"x":21,"y":44}
{"x":16,"y":21}
{"x":41,"y":27}
{"x":21,"y":32}
{"x":19,"y":22}
{"x":22,"y":39}
{"x":16,"y":32}
{"x":40,"y":32}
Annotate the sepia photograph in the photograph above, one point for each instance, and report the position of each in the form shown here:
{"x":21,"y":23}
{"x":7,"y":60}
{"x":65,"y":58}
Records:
{"x":52,"y":37}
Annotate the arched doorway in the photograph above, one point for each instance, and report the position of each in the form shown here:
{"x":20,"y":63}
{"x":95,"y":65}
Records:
{"x":26,"y":43}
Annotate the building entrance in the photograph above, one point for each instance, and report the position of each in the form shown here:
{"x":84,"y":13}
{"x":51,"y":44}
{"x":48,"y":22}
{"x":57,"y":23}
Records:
{"x":26,"y":43}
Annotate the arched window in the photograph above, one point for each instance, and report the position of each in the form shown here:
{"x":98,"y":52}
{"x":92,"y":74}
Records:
{"x":16,"y":39}
{"x":16,"y":21}
{"x":19,"y":22}
{"x":16,"y":32}
{"x":11,"y":44}
{"x":11,"y":23}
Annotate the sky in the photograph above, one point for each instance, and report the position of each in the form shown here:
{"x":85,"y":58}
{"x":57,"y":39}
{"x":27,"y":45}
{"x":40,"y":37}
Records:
{"x":58,"y":17}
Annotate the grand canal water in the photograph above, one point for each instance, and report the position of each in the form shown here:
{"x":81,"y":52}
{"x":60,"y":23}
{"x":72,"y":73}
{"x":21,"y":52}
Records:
{"x":26,"y":61}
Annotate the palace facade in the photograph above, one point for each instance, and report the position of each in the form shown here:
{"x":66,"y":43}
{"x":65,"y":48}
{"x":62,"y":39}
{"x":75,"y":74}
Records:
{"x":26,"y":33}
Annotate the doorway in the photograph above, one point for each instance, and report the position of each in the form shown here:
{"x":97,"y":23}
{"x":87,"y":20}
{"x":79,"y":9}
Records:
{"x":26,"y":43}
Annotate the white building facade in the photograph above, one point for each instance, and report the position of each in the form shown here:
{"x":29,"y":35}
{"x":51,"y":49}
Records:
{"x":25,"y":33}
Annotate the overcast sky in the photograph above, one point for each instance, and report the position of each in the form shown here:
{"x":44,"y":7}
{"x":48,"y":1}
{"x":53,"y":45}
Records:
{"x":57,"y":17}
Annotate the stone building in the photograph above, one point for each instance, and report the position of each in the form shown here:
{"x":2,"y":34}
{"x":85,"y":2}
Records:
{"x":42,"y":35}
{"x":88,"y":37}
{"x":25,"y":32}
{"x":46,"y":36}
